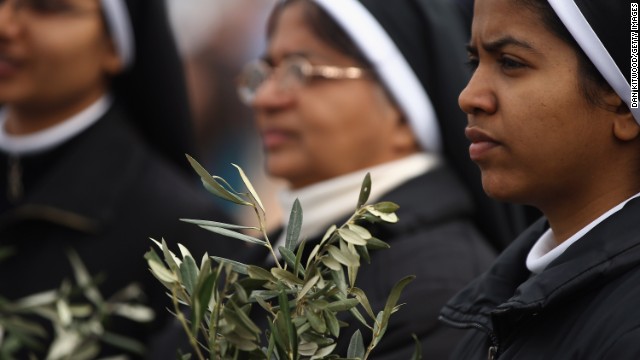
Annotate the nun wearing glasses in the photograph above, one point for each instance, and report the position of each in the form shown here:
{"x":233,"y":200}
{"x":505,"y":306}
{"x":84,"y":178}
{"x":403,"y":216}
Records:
{"x":93,"y":133}
{"x":553,"y":125}
{"x":349,"y":87}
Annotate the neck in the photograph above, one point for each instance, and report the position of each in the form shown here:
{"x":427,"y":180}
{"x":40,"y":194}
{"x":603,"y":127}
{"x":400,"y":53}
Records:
{"x":29,"y":118}
{"x":568,"y":218}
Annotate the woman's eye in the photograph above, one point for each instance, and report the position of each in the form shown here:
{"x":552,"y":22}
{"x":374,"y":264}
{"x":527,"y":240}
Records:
{"x":472,"y":63}
{"x":510,"y":64}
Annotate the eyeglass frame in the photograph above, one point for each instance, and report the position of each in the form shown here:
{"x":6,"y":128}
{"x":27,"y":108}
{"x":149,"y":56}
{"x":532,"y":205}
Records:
{"x":308,"y":71}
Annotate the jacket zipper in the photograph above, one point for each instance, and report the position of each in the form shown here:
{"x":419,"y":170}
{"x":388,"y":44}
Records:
{"x":493,"y":349}
{"x":15,"y":188}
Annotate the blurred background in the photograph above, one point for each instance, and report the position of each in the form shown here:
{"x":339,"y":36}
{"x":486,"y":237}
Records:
{"x":216,"y":38}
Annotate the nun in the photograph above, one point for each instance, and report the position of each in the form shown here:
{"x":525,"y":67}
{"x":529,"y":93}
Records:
{"x":93,"y":131}
{"x":553,"y":125}
{"x":349,"y":87}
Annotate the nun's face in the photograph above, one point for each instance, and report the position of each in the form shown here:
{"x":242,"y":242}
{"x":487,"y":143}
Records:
{"x":325,"y":128}
{"x":55,"y":56}
{"x":534,"y":136}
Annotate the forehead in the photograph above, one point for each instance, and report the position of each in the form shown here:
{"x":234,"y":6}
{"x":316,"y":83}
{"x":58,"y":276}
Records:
{"x":495,"y":19}
{"x":292,"y":35}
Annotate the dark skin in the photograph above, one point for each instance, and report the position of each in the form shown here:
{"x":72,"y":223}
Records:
{"x":535,"y":137}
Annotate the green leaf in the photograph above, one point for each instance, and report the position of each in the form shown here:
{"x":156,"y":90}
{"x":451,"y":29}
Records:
{"x":386,"y":207}
{"x":246,"y":322}
{"x":249,"y":186}
{"x":316,"y":319}
{"x":343,"y":257}
{"x":213,"y":186}
{"x":364,"y":301}
{"x":325,"y":351}
{"x":294,"y":226}
{"x":331,"y":263}
{"x":308,"y":285}
{"x":342,"y":305}
{"x":256,"y":272}
{"x":352,"y":237}
{"x":285,"y":311}
{"x":238,"y":267}
{"x":327,"y":234}
{"x":377,"y":244}
{"x":169,"y":257}
{"x":189,"y":274}
{"x":361,"y":231}
{"x":417,"y":353}
{"x":219,"y":224}
{"x":290,"y":258}
{"x":332,"y":323}
{"x":298,"y":269}
{"x":200,"y":299}
{"x":393,"y":298}
{"x":356,"y":346}
{"x":83,"y":278}
{"x":234,"y":234}
{"x":307,"y":348}
{"x":365,"y":191}
{"x":162,"y":273}
{"x":286,"y":276}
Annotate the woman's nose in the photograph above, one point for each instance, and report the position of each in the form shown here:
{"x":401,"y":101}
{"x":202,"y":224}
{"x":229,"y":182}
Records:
{"x":271,"y":95}
{"x":9,"y":25}
{"x":479,"y":95}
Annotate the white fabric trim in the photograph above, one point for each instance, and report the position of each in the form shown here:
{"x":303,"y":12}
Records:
{"x":393,"y":68}
{"x":579,"y":27}
{"x":545,"y":250}
{"x":51,"y":137}
{"x":329,"y":201}
{"x":119,"y":23}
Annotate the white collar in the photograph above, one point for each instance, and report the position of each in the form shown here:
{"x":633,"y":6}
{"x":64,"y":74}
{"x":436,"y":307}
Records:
{"x":329,"y":201}
{"x":545,"y":250}
{"x":51,"y":137}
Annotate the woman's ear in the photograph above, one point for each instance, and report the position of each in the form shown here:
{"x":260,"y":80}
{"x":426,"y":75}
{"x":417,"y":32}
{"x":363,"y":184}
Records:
{"x":625,"y":126}
{"x":112,"y":62}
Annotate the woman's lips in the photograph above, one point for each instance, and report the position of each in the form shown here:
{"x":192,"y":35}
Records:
{"x":8,"y":67}
{"x":273,"y":139}
{"x":481,"y":143}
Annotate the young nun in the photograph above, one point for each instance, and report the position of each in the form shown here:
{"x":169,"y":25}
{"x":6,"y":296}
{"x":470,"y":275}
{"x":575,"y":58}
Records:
{"x":552,"y":124}
{"x":390,"y":111}
{"x":93,"y":132}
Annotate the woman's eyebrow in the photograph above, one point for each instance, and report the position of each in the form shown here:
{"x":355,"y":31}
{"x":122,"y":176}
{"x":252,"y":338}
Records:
{"x":496,"y":46}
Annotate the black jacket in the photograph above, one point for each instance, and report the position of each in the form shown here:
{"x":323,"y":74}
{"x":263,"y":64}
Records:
{"x":584,"y":305}
{"x":435,"y":240}
{"x":104,"y":193}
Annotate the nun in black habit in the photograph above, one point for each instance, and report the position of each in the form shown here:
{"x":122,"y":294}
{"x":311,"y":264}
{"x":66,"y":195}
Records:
{"x":348,"y":87}
{"x":554,"y":123}
{"x":93,"y":132}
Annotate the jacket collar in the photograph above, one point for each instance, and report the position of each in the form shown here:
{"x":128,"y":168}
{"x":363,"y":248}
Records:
{"x":607,"y":250}
{"x":72,"y":193}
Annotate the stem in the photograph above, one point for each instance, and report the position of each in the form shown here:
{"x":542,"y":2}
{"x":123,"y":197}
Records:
{"x":263,"y":229}
{"x":192,"y":339}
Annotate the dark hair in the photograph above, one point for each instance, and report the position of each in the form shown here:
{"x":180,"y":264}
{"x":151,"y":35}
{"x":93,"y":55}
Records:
{"x":591,"y":82}
{"x":324,"y":27}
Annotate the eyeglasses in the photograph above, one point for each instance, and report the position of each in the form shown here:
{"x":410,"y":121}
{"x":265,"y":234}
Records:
{"x":45,"y":7}
{"x":290,"y":75}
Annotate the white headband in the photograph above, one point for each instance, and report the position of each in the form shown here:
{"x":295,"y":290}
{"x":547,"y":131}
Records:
{"x":390,"y":64}
{"x":579,"y":27}
{"x":119,"y":23}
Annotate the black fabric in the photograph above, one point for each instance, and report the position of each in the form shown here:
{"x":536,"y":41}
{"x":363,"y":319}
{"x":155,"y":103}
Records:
{"x":610,"y":21}
{"x":153,"y":91}
{"x":103,"y":194}
{"x":431,"y":36}
{"x":584,"y":305}
{"x":435,"y":240}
